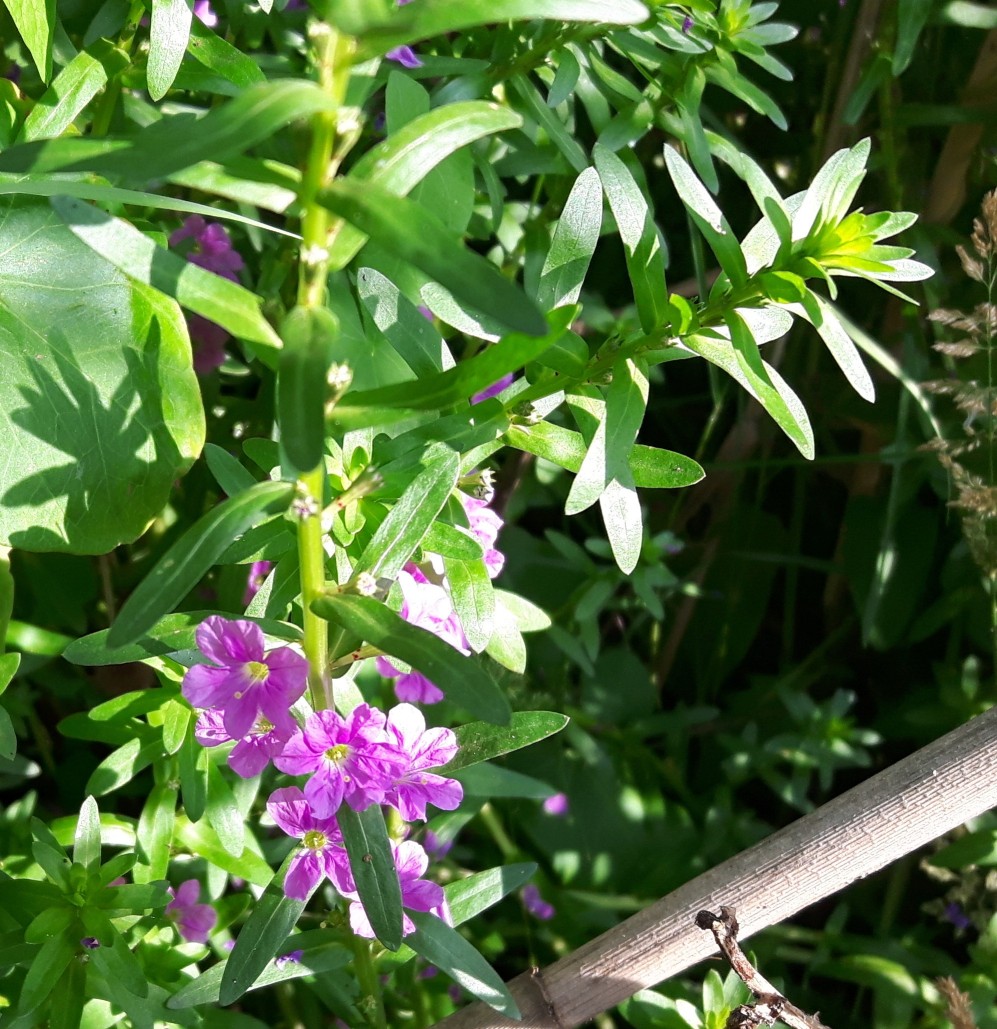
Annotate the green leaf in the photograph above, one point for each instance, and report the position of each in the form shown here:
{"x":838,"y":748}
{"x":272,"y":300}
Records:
{"x":168,"y":34}
{"x":463,"y":679}
{"x":506,"y":644}
{"x":177,"y":142}
{"x":549,"y":122}
{"x":373,"y":868}
{"x":193,"y":776}
{"x":66,"y":1009}
{"x":469,"y":897}
{"x":416,"y":236}
{"x":707,"y":216}
{"x":402,"y":161}
{"x":74,"y":87}
{"x":227,"y":470}
{"x":171,"y":634}
{"x":35,"y":22}
{"x":448,"y":541}
{"x":86,"y":841}
{"x":645,"y":261}
{"x":122,"y":765}
{"x":309,"y":335}
{"x":481,"y":741}
{"x":975,"y":848}
{"x":223,"y":814}
{"x":574,"y":242}
{"x":84,"y":354}
{"x":176,"y":718}
{"x":404,"y":326}
{"x":211,"y":296}
{"x":269,"y":924}
{"x":651,"y":467}
{"x":8,"y":738}
{"x":455,"y":384}
{"x":473,"y":598}
{"x":408,"y":521}
{"x":178,"y":571}
{"x":221,"y":57}
{"x":445,"y":948}
{"x":199,"y":838}
{"x":438,"y":17}
{"x":114,"y":958}
{"x":9,"y":663}
{"x":487,"y":780}
{"x":154,"y":833}
{"x":821,"y":316}
{"x":46,"y":970}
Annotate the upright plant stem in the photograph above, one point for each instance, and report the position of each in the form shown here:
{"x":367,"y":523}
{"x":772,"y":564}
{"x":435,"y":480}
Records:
{"x":332,"y":54}
{"x":363,"y":964}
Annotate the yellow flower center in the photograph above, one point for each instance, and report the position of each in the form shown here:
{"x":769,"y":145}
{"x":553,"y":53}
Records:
{"x":314,"y":840}
{"x":262,"y":726}
{"x":256,"y":671}
{"x":338,"y":754}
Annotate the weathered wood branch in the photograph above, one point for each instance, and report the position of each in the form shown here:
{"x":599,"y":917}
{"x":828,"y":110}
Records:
{"x":896,"y":811}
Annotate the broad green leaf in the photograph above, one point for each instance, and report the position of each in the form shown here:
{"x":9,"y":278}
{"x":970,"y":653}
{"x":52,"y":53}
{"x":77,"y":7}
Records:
{"x":154,"y":833}
{"x":85,"y":353}
{"x":403,"y":160}
{"x":177,"y":142}
{"x":223,"y":814}
{"x":35,"y":21}
{"x":169,"y":635}
{"x":821,"y":316}
{"x":419,"y":238}
{"x":506,"y":644}
{"x":321,"y":950}
{"x":66,"y":1009}
{"x":481,"y":741}
{"x":645,"y":261}
{"x":463,"y":679}
{"x":445,"y":948}
{"x":408,"y":521}
{"x":169,"y":31}
{"x":608,"y":454}
{"x":45,"y":971}
{"x":487,"y":780}
{"x":438,"y":17}
{"x":455,"y":384}
{"x":178,"y":571}
{"x":74,"y":87}
{"x":707,"y":216}
{"x":449,"y":541}
{"x":86,"y":840}
{"x":528,"y":617}
{"x":473,"y":598}
{"x":222,"y":57}
{"x":50,"y":922}
{"x":574,"y":242}
{"x":211,"y":296}
{"x":309,"y":335}
{"x":373,"y":868}
{"x":621,"y":514}
{"x":405,"y":327}
{"x":176,"y":719}
{"x":469,"y":897}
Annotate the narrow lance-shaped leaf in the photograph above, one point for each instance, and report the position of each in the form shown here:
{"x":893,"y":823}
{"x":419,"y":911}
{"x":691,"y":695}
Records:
{"x":473,"y":599}
{"x":645,"y":261}
{"x":35,"y":20}
{"x":463,"y":679}
{"x":169,"y":31}
{"x":398,"y":536}
{"x":480,"y":741}
{"x":86,"y":842}
{"x":821,"y":316}
{"x":212,"y":296}
{"x":418,"y":237}
{"x":445,"y":948}
{"x":269,"y":924}
{"x":373,"y":868}
{"x":178,"y":571}
{"x":574,"y":242}
{"x":46,"y":968}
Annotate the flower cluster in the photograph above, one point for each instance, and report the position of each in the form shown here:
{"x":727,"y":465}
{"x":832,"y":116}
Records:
{"x":212,"y":250}
{"x":428,"y":604}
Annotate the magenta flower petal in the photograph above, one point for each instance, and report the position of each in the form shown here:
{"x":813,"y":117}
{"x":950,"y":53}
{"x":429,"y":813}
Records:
{"x":289,"y":809}
{"x":226,"y":641}
{"x":415,"y":688}
{"x":207,"y":686}
{"x":240,"y":713}
{"x":405,"y":56}
{"x":303,"y":875}
{"x":194,"y":921}
{"x":209,"y":730}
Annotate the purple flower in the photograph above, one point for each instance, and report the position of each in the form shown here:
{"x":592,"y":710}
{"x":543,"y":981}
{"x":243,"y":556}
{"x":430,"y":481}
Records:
{"x":429,"y":606}
{"x":212,"y":250}
{"x":291,"y":958}
{"x":253,"y":752}
{"x":687,"y":23}
{"x":421,"y":749}
{"x":245,"y":682}
{"x":536,"y":905}
{"x":955,"y":914}
{"x":435,"y":847}
{"x":484,"y":525}
{"x":322,"y":853}
{"x":90,"y":942}
{"x":493,"y":390}
{"x":194,"y":921}
{"x":202,"y":10}
{"x":352,"y":759}
{"x":258,"y":571}
{"x":405,"y":56}
{"x":418,"y":894}
{"x":557,"y":805}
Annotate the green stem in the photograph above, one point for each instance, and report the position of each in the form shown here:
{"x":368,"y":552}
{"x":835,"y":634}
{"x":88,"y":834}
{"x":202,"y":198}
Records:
{"x":492,"y":822}
{"x":363,"y":964}
{"x":108,"y":103}
{"x":311,"y":558}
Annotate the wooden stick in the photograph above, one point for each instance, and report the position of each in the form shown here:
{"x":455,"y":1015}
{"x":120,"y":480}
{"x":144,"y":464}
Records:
{"x":869,"y":827}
